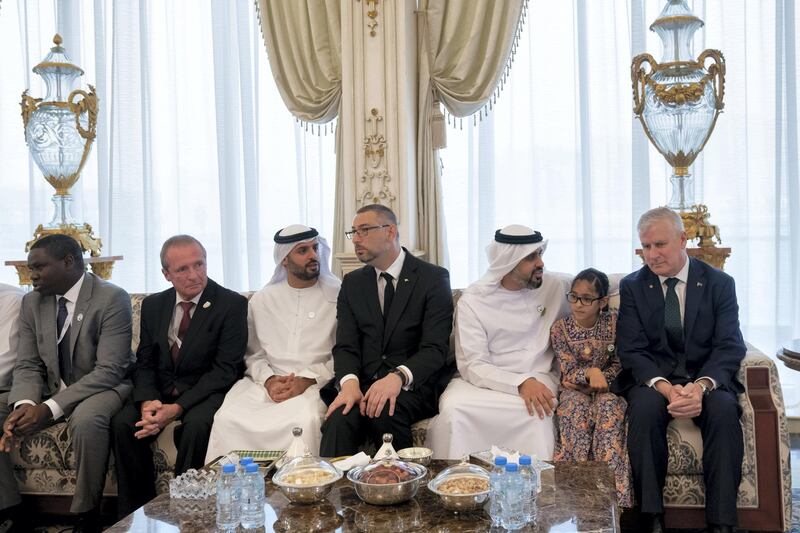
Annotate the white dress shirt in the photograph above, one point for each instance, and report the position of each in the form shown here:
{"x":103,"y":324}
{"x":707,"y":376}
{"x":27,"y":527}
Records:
{"x":177,"y":316}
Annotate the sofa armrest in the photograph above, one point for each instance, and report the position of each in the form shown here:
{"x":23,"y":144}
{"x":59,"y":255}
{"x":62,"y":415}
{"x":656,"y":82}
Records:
{"x":759,"y":375}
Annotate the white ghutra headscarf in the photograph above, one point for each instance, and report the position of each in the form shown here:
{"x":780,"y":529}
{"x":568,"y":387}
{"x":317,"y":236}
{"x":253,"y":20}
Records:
{"x":511,"y":245}
{"x":285,"y":241}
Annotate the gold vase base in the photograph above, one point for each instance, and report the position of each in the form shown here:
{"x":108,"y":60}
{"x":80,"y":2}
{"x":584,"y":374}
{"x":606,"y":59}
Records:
{"x":100,"y":266}
{"x":697,"y":226}
{"x":82,"y":233}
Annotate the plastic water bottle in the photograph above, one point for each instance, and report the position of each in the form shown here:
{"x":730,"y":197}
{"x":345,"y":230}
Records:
{"x":252,"y":498}
{"x":243,"y":462}
{"x":228,"y":499}
{"x":536,"y":467}
{"x":513,"y":516}
{"x":529,"y":482}
{"x":496,"y":489}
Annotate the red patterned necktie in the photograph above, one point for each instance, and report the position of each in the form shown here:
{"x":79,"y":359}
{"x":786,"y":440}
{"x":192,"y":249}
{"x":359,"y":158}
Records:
{"x":182,"y":327}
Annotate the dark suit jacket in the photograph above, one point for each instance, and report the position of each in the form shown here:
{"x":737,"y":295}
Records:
{"x":211,"y":357}
{"x":417,"y":331}
{"x":713,"y":342}
{"x":100,"y":345}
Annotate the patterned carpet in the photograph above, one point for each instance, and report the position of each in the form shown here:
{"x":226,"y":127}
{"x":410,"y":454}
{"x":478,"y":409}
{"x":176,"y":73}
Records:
{"x":795,"y":511}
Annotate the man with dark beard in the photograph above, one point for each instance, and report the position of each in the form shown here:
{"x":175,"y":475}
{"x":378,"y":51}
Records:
{"x":506,"y":390}
{"x":291,"y":326}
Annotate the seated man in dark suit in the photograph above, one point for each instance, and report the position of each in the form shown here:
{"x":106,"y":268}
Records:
{"x":191,"y":350}
{"x":390,"y":357}
{"x":74,"y":352}
{"x":680,"y":345}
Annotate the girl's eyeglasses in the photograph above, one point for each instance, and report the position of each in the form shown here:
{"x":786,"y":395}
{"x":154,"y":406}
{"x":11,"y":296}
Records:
{"x":584,"y":300}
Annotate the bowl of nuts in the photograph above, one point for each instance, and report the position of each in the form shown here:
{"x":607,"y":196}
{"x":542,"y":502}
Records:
{"x":461,"y":487}
{"x":306,"y":479}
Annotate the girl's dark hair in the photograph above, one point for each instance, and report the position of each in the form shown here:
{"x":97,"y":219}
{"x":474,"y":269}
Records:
{"x":596,"y":279}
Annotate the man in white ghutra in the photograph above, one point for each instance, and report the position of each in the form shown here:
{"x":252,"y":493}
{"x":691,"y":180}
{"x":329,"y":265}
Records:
{"x":505,"y":393}
{"x":291,"y":325}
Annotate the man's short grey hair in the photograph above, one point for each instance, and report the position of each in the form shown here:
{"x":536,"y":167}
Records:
{"x":178,"y":240}
{"x":658,"y":214}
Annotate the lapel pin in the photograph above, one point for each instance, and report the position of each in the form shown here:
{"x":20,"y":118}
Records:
{"x":651,"y":285}
{"x":206,"y":305}
{"x":405,"y":280}
{"x":79,"y":317}
{"x":699,"y":283}
{"x":311,"y":314}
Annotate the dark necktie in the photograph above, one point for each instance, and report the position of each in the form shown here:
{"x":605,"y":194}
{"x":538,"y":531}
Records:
{"x":64,"y":361}
{"x":673,"y":326}
{"x":182,"y":327}
{"x":388,"y":294}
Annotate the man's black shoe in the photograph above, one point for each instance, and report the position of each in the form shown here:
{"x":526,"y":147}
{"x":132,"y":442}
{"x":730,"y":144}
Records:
{"x":653,"y":522}
{"x":13,"y":520}
{"x":89,"y":522}
{"x":716,"y":528}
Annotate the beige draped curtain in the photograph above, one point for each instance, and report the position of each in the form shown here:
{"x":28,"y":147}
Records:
{"x":463,"y":50}
{"x":303,"y":40}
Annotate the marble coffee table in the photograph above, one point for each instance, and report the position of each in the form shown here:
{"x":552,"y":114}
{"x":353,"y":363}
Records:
{"x":583,"y":500}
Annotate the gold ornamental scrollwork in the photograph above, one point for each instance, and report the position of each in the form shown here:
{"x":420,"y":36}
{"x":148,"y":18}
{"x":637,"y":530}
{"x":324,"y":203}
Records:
{"x":678,"y":94}
{"x":372,"y":13}
{"x":375,"y":178}
{"x":82,"y":233}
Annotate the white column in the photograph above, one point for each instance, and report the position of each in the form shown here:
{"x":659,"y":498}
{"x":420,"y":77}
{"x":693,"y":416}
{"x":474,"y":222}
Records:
{"x":378,"y":118}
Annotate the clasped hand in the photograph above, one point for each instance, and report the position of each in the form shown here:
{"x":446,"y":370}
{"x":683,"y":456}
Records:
{"x":23,"y":420}
{"x":155,"y":417}
{"x":685,"y":401}
{"x":282,"y":388}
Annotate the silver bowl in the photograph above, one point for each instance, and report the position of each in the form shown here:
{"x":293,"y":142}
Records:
{"x":297,"y":493}
{"x":460,"y":502}
{"x":389,"y":493}
{"x":419,"y":455}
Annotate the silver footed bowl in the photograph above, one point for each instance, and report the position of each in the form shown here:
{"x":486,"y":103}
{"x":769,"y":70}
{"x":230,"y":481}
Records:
{"x":421,"y":456}
{"x":305,"y":492}
{"x":462,"y":501}
{"x":388,"y":493}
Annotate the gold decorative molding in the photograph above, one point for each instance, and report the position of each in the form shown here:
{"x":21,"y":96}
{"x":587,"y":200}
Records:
{"x":372,"y":13}
{"x":375,"y":178}
{"x":101,"y":267}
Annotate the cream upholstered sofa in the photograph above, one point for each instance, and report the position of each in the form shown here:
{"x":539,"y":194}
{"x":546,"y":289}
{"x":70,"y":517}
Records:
{"x":45,"y":466}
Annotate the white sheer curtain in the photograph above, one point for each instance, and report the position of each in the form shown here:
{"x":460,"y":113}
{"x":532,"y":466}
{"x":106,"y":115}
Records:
{"x":193,"y":136}
{"x":562,"y":152}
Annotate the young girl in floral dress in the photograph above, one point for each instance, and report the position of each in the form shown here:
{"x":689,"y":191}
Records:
{"x":591,"y":419}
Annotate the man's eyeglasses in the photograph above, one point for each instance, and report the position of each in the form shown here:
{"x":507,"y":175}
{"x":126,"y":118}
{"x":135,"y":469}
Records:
{"x":362,"y":232}
{"x":584,"y":300}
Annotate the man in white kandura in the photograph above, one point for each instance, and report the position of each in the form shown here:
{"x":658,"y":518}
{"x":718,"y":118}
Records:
{"x":291,"y":325}
{"x":505,"y":393}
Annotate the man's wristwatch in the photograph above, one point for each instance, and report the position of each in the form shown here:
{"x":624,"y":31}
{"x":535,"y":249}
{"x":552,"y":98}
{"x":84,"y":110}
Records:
{"x":703,"y":387}
{"x":402,"y":375}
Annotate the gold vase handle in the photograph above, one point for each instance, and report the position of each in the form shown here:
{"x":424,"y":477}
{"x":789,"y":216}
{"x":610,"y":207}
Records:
{"x":639,"y":78}
{"x":88,"y":105}
{"x":716,"y":70}
{"x":28,"y":105}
